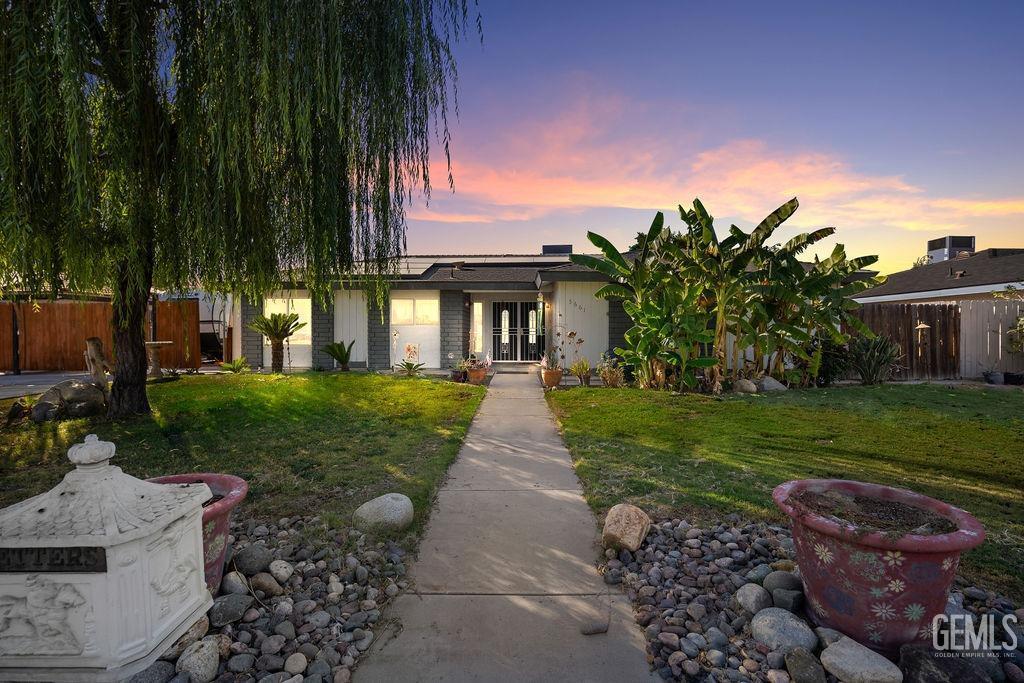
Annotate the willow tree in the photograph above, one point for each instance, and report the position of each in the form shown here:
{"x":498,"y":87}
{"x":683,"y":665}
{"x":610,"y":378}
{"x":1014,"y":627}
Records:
{"x":223,"y":144}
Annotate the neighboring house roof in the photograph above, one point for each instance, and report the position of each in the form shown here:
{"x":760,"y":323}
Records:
{"x":987,"y":270}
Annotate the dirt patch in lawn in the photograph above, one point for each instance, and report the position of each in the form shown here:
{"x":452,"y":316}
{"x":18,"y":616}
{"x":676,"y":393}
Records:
{"x":868,"y":514}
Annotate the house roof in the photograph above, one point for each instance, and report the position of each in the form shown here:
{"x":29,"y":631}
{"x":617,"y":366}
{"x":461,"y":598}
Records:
{"x":990,"y":267}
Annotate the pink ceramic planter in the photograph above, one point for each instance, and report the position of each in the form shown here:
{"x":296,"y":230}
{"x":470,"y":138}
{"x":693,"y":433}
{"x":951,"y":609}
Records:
{"x":216,"y":517}
{"x":880,"y":590}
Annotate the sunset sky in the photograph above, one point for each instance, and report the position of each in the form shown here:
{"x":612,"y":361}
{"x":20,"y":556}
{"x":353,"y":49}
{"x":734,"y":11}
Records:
{"x":894,"y":122}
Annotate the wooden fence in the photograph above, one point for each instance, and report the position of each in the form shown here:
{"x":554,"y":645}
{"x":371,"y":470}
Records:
{"x":51,"y":335}
{"x":931,"y":352}
{"x":985,"y":324}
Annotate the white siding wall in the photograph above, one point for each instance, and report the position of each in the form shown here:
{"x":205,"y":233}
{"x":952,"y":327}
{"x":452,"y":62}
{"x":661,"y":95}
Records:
{"x":427,"y":336}
{"x":298,"y":349}
{"x":575,"y":308}
{"x":350,"y":321}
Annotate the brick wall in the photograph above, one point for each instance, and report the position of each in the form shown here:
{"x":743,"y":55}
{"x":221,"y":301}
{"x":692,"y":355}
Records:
{"x":252,"y":342}
{"x":454,"y":326}
{"x":618,"y":323}
{"x":378,"y":338}
{"x":322,"y":334}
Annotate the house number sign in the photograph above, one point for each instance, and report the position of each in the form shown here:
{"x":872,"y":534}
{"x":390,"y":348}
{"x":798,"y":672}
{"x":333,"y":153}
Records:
{"x":60,"y":559}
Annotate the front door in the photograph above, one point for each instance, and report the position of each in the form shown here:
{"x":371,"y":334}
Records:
{"x":518,"y":330}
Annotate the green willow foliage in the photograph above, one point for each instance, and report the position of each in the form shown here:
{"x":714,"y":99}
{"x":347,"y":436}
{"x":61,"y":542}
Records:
{"x":217,"y":144}
{"x":225,"y":142}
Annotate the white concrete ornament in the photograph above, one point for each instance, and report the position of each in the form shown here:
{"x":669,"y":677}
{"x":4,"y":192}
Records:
{"x":99,"y":575}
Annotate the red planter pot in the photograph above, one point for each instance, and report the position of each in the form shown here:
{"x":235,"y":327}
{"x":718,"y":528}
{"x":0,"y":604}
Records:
{"x":878,"y":589}
{"x":228,"y":492}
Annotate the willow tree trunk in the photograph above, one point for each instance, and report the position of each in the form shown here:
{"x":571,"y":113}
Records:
{"x":128,"y":393}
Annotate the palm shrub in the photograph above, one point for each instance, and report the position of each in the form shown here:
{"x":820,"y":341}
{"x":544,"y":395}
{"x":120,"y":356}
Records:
{"x":237,"y":365}
{"x":277,"y":327}
{"x":409,"y":368}
{"x":340,"y":352}
{"x":875,"y":359}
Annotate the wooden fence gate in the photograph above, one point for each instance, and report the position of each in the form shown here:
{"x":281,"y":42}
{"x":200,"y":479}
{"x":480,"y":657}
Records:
{"x":929,"y":335}
{"x":51,"y":335}
{"x":985,"y":339}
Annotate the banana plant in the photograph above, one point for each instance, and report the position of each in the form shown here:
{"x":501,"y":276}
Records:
{"x":721,"y":266}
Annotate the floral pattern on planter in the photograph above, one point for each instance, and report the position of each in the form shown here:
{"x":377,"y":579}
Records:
{"x":883,"y":591}
{"x":869,"y":587}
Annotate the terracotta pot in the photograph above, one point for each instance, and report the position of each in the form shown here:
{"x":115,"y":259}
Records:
{"x":878,"y":589}
{"x":476,"y":375}
{"x":228,"y":492}
{"x":551,"y":377}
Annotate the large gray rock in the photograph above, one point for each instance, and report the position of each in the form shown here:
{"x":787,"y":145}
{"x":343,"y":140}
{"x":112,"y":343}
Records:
{"x":851,"y":662}
{"x":753,"y":598}
{"x":70,"y":398}
{"x":744,"y":386}
{"x":390,"y":512}
{"x":768,"y":383}
{"x":229,"y":608}
{"x":782,"y":630}
{"x":253,"y":559}
{"x":625,"y":526}
{"x":200,"y":661}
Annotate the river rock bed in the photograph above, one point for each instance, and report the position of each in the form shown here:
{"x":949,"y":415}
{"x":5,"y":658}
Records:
{"x":724,"y":602}
{"x":298,"y":603}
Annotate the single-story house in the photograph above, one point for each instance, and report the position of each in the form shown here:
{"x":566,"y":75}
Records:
{"x":442,"y":308}
{"x":956,"y":273}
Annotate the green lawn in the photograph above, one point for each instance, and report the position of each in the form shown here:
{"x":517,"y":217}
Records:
{"x":699,"y":455}
{"x":307,"y":444}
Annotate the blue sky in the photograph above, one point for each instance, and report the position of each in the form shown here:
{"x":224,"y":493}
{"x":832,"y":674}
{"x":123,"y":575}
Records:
{"x":895,"y":122}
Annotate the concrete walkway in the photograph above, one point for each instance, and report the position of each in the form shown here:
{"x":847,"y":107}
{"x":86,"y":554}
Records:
{"x":506,"y":570}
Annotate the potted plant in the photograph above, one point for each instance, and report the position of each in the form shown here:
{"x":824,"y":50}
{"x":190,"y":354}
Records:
{"x":550,"y":371}
{"x":476,"y":370}
{"x":459,"y":370}
{"x":581,"y":370}
{"x":877,"y":562}
{"x":228,"y":493}
{"x":341,"y":353}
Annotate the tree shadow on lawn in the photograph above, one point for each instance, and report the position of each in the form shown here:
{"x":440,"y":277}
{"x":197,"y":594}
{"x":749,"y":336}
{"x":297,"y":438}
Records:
{"x":306,"y":445}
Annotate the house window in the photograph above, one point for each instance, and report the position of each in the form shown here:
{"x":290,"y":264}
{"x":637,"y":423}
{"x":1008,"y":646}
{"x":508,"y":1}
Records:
{"x":415,"y":312}
{"x":402,"y":311}
{"x":478,"y":328}
{"x":303,"y":307}
{"x":428,"y":312}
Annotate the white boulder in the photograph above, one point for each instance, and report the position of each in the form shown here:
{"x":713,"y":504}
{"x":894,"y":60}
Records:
{"x":390,"y":512}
